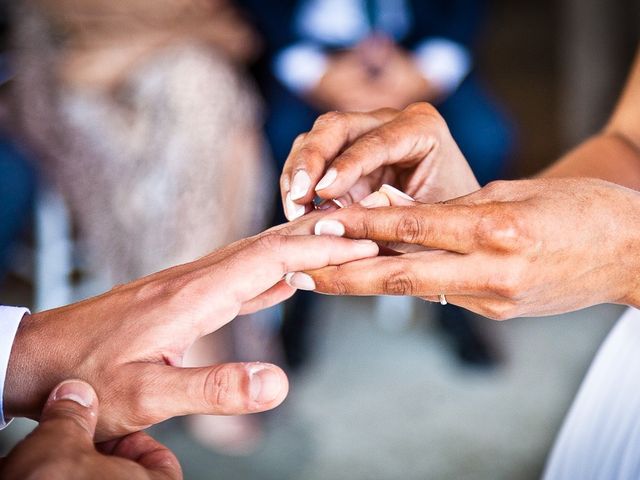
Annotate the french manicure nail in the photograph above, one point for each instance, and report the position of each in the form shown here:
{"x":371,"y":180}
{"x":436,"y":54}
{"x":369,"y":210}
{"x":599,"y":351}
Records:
{"x":395,"y":191}
{"x":264,"y":384}
{"x":376,"y":199}
{"x":328,"y":179}
{"x":300,"y":280}
{"x":301,"y":184}
{"x":294,"y":210}
{"x":329,"y":227}
{"x":75,"y":390}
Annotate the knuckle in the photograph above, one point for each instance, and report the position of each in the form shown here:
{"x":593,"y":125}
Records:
{"x":506,"y":232}
{"x":500,"y":311}
{"x":330,"y":119}
{"x":510,"y":283}
{"x":271,"y":242}
{"x":410,"y":229}
{"x":422,"y":108}
{"x":496,"y":187}
{"x":299,"y":139}
{"x":218,"y":391}
{"x":399,"y":283}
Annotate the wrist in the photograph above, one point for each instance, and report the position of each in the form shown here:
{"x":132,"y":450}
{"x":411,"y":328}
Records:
{"x":629,"y":254}
{"x":32,"y":369}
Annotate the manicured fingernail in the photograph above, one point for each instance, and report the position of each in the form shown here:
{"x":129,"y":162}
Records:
{"x":75,"y":390}
{"x":395,"y":191}
{"x":365,"y":242}
{"x":293,"y":210}
{"x":328,"y":179}
{"x":338,"y":203}
{"x":301,"y":184}
{"x":300,"y":280}
{"x":264,"y":384}
{"x":329,"y":227}
{"x":376,"y":199}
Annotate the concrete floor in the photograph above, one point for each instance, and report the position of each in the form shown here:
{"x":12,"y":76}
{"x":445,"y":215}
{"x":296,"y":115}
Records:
{"x":388,"y":405}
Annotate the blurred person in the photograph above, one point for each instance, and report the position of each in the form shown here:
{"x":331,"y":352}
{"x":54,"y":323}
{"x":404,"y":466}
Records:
{"x":17,"y":175}
{"x":147,"y":126}
{"x":130,"y":344}
{"x":563,"y":241}
{"x":360,"y":55}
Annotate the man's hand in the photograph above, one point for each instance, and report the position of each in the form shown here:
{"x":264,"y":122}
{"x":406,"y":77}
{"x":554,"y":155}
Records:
{"x":61,"y":447}
{"x":526,"y":248}
{"x":350,"y":155}
{"x":129,"y":343}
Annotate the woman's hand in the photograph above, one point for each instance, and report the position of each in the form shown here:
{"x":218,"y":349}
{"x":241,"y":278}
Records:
{"x":525,"y":248}
{"x":347,"y":156}
{"x":129,"y":343}
{"x":61,"y":447}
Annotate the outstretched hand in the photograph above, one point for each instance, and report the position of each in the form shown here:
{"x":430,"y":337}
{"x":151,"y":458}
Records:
{"x":129,"y":343}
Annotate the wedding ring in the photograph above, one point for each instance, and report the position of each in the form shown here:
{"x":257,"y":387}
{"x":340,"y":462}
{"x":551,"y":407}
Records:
{"x":443,"y":299}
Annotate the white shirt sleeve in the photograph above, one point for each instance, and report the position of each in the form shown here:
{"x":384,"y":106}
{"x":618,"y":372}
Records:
{"x":443,"y":62}
{"x":300,"y":66}
{"x":10,"y":318}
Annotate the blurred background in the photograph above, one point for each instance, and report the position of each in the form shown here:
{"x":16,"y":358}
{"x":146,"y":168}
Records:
{"x":137,"y":135}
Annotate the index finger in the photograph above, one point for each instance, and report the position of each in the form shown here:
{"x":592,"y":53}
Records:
{"x":146,"y":452}
{"x":263,"y":263}
{"x":314,"y":151}
{"x":456,"y":228}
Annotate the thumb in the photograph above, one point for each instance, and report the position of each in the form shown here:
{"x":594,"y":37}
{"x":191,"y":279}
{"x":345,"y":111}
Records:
{"x":71,"y":412}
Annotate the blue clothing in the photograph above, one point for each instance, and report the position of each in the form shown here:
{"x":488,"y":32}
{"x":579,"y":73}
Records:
{"x":17,"y":188}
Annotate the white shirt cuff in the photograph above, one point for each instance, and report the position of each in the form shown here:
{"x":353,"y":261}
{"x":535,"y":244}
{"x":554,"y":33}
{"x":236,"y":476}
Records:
{"x":10,"y":318}
{"x":444,"y":63}
{"x":300,"y":67}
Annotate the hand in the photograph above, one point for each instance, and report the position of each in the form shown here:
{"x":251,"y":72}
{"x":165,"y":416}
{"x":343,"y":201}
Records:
{"x":129,"y":343}
{"x":350,"y":155}
{"x":61,"y":447}
{"x":345,"y":85}
{"x":526,"y":248}
{"x":401,"y":82}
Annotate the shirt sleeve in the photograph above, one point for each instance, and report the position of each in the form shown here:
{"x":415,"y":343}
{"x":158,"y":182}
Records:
{"x":300,"y":66}
{"x":443,"y":62}
{"x":10,"y":318}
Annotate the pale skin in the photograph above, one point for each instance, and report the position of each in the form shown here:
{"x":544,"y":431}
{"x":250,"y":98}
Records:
{"x":129,"y":343}
{"x":62,"y":448}
{"x":563,"y":241}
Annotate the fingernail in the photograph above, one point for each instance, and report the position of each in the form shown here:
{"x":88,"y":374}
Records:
{"x":300,"y":280}
{"x":293,"y":209}
{"x":395,"y":191}
{"x":75,"y":390}
{"x":264,"y":384}
{"x":301,"y":184}
{"x":328,"y":179}
{"x":365,"y":242}
{"x":338,"y":203}
{"x":376,"y":199}
{"x":329,"y":227}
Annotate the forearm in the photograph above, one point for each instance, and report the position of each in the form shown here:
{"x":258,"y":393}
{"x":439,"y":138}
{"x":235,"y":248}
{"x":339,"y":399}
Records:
{"x":609,"y":156}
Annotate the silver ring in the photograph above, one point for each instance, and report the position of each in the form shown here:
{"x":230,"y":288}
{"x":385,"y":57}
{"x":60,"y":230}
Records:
{"x":443,"y":299}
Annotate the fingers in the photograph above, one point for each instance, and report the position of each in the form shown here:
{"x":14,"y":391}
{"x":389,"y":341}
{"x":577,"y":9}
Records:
{"x":312,"y":152}
{"x":70,"y":415}
{"x":139,"y":447}
{"x":275,"y":295}
{"x":422,"y":274}
{"x":407,"y":139}
{"x":227,"y":389}
{"x":447,"y":227}
{"x":262,"y":264}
